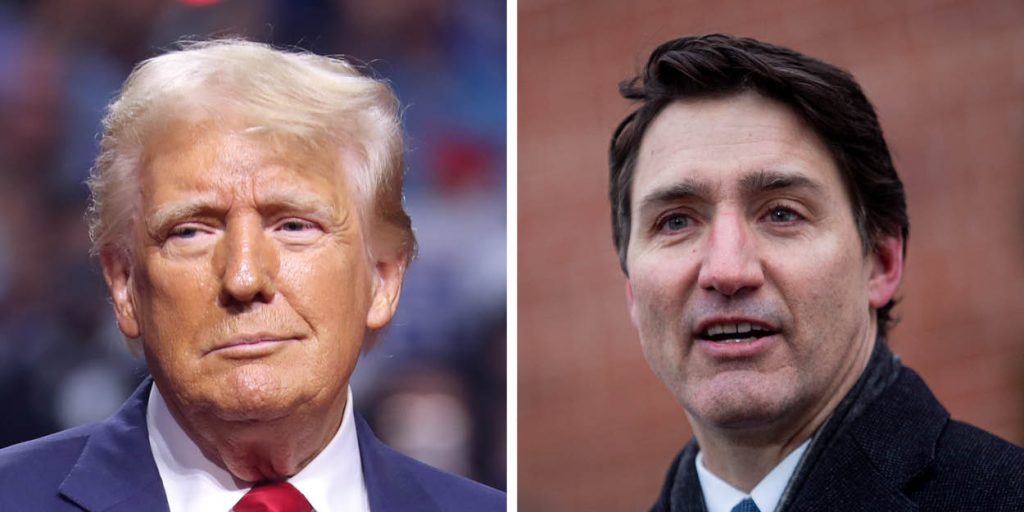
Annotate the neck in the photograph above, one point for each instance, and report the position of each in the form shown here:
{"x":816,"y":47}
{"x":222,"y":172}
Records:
{"x":743,"y":457}
{"x":255,"y":451}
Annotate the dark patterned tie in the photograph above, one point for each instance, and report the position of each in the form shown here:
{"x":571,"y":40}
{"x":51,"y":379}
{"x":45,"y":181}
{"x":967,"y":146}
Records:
{"x":273,"y":497}
{"x":746,"y":505}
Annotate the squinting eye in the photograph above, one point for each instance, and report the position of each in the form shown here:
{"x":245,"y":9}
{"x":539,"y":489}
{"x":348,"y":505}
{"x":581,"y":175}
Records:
{"x":782,"y":214}
{"x":296,"y":225}
{"x":184,"y":232}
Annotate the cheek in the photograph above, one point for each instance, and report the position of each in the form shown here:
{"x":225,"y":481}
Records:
{"x":175,"y":297}
{"x":331,"y":293}
{"x":826,"y":294}
{"x":842,"y":285}
{"x":652,"y":305}
{"x":661,"y":286}
{"x":658,"y":312}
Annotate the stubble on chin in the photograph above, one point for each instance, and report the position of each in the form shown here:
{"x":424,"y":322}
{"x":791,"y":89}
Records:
{"x":736,"y":400}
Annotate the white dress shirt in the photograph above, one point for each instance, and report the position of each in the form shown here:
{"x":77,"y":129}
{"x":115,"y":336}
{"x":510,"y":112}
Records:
{"x":719,"y":496}
{"x":333,"y":480}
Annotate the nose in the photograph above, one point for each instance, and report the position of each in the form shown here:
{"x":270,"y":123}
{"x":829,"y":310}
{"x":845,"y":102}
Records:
{"x":730,"y":263}
{"x":249,"y":263}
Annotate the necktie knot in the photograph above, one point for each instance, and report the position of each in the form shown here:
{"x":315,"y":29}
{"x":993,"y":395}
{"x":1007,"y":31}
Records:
{"x":747,"y":505}
{"x":273,"y":497}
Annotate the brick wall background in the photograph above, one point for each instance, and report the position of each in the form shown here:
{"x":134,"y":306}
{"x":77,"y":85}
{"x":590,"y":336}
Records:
{"x":597,"y":429}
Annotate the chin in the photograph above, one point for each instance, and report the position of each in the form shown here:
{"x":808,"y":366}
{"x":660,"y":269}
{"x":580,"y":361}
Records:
{"x":251,"y":411}
{"x":739,"y":404}
{"x":258,"y":395}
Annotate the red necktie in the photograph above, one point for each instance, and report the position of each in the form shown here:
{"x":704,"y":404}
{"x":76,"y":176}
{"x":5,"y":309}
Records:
{"x":273,"y":497}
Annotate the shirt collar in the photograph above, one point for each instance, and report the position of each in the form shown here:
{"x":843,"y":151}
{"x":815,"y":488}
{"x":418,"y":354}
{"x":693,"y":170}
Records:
{"x":720,"y":496}
{"x":333,"y":480}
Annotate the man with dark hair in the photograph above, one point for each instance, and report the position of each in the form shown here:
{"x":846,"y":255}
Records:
{"x":762,"y":229}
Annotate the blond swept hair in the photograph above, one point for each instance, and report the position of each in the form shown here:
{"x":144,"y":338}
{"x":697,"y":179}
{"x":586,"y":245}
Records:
{"x":324,"y":102}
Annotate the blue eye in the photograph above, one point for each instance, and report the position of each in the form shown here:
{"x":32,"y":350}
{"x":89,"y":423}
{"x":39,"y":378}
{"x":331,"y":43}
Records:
{"x":673,"y":222}
{"x":782,"y":214}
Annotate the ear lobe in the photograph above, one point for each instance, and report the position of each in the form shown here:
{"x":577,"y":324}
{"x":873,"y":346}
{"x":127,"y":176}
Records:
{"x":886,"y":270}
{"x":117,"y":272}
{"x":384,"y":302}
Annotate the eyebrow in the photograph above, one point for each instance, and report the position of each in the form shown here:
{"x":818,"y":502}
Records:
{"x":687,"y":189}
{"x":166,"y":214}
{"x":766,"y":181}
{"x":278,"y":202}
{"x":750,"y":185}
{"x":296,"y":202}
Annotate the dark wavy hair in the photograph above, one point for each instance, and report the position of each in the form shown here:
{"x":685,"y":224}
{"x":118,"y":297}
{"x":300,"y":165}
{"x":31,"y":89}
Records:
{"x":824,"y":96}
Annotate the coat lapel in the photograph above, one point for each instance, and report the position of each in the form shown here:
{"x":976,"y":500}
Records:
{"x":880,"y":455}
{"x":390,"y":486}
{"x":686,"y":494}
{"x":116,"y":471}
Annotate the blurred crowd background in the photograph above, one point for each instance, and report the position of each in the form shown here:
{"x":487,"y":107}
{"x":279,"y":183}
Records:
{"x":597,"y":430}
{"x":435,"y":385}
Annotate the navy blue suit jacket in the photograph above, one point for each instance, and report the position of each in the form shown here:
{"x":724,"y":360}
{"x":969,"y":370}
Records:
{"x":109,"y":466}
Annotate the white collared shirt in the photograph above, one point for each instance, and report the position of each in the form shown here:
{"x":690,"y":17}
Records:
{"x":333,"y":480}
{"x":719,"y":496}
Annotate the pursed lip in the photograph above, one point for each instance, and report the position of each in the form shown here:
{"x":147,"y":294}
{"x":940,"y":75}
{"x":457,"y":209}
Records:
{"x":255,"y":340}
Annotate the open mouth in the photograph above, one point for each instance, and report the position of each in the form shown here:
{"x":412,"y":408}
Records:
{"x":735,"y":332}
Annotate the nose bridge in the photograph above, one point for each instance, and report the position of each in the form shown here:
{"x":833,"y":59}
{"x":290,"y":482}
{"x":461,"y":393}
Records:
{"x":249,"y":263}
{"x":730,"y":261}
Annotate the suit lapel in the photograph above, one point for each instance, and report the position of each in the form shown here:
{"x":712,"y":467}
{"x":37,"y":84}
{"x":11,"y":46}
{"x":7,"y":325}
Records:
{"x":390,"y":486}
{"x":116,"y":471}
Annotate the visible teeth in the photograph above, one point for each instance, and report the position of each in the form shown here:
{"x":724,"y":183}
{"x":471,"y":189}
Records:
{"x":736,"y":328}
{"x":738,"y":340}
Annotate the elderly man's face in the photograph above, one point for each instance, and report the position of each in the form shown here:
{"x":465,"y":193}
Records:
{"x":747,"y":278}
{"x":250,"y":282}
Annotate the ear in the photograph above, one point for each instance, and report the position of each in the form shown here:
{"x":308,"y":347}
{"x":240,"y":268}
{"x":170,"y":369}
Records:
{"x":886,"y":270}
{"x":117,"y":272}
{"x":631,"y":303}
{"x":389,"y":275}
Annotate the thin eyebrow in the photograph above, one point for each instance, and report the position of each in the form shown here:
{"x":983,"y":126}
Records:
{"x":766,"y":181}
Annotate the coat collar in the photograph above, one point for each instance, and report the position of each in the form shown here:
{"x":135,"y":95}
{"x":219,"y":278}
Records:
{"x":116,"y":471}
